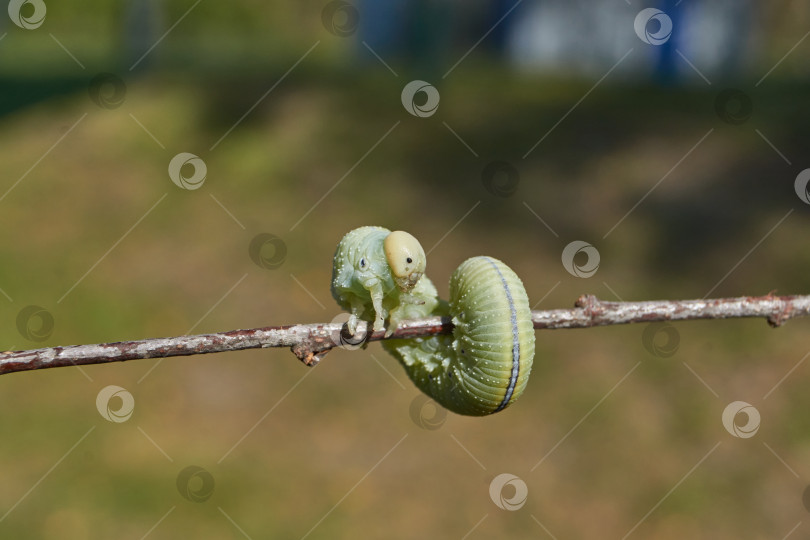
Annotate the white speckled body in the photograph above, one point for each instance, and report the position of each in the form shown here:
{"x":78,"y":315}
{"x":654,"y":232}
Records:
{"x":483,"y":367}
{"x":480,"y":369}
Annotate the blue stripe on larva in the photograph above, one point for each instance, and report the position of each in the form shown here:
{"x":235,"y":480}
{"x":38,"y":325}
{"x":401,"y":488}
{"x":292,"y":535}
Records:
{"x":515,"y":339}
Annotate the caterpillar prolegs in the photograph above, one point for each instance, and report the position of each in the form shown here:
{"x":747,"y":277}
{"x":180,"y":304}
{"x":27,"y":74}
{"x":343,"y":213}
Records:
{"x":483,"y":367}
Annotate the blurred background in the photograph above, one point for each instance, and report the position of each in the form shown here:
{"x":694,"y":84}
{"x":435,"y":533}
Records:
{"x":183,"y":166}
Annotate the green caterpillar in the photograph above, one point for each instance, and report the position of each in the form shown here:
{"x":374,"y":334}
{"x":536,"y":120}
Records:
{"x":481,"y":368}
{"x":377,"y":273}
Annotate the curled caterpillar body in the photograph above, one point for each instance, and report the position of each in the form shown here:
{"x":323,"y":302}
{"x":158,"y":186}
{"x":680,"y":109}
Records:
{"x":483,"y":367}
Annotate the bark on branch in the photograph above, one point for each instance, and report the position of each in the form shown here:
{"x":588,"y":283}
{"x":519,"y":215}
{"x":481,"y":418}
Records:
{"x":311,"y":342}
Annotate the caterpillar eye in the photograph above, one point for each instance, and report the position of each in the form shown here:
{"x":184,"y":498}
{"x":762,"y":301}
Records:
{"x":362,"y":263}
{"x":409,"y":260}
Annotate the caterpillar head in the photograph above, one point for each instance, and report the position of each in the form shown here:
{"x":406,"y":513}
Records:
{"x":406,"y":258}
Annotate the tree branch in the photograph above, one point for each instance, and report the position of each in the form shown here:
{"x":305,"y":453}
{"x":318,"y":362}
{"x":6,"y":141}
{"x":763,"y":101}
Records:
{"x":311,"y":342}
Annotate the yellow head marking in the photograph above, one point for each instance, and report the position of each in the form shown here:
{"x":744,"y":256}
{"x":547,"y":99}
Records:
{"x":406,"y":258}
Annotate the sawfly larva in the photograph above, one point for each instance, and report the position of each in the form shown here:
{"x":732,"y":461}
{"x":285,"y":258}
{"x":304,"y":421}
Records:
{"x":479,"y":369}
{"x":376,"y":273}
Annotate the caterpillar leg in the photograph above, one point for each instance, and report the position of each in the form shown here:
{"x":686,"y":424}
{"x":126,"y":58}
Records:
{"x":357,"y":310}
{"x":398,"y":314}
{"x":380,"y":313}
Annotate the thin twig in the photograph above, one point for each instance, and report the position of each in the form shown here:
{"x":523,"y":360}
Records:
{"x":311,"y":342}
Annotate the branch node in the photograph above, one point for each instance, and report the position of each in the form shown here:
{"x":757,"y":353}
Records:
{"x":590,"y":304}
{"x":777,"y":318}
{"x":309,"y":357}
